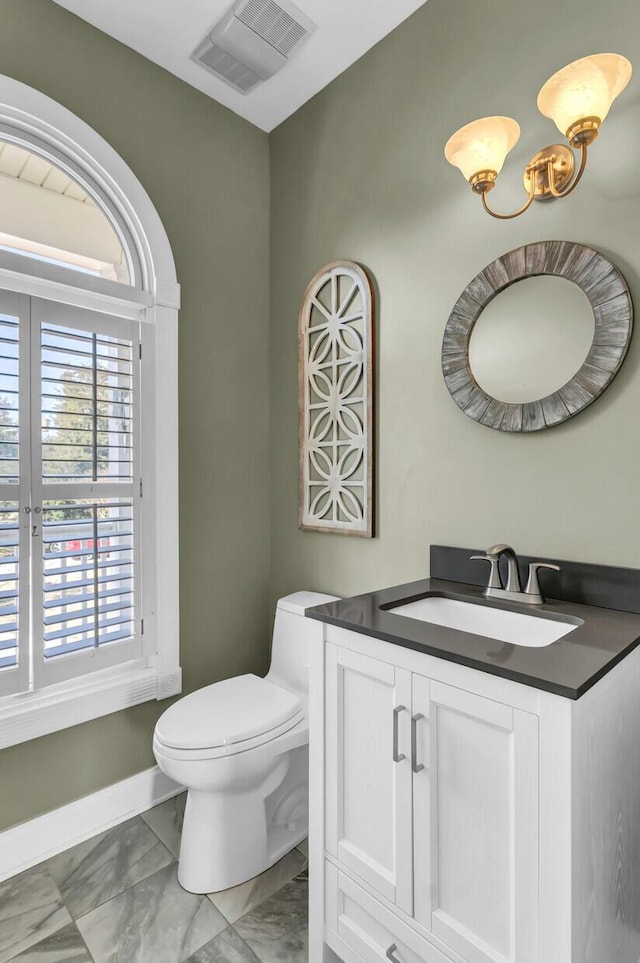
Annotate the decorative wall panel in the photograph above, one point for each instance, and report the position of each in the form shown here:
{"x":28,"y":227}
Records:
{"x":335,"y":371}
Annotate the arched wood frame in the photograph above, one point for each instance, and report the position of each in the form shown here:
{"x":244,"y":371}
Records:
{"x":336,"y":408}
{"x":610,"y":300}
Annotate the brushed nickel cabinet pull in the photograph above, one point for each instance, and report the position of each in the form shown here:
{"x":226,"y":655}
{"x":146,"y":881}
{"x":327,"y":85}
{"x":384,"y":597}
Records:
{"x":390,"y":954}
{"x":397,"y":757}
{"x":414,"y":747}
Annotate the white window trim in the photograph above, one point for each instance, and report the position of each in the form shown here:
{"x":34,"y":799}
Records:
{"x":34,"y":120}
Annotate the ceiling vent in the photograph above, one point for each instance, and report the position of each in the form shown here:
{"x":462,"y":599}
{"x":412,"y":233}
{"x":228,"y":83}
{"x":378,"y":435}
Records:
{"x":253,"y":41}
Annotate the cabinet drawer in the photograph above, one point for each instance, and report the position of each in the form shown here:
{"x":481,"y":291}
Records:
{"x":359,"y":928}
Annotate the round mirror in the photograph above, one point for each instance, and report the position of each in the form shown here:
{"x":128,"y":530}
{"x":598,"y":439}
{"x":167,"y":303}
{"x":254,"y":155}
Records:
{"x":531,"y":339}
{"x":537,"y":336}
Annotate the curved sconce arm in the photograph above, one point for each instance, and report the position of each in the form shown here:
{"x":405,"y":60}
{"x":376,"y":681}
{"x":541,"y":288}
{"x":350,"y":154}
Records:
{"x":507,"y":217}
{"x":576,"y":180}
{"x":551,"y":186}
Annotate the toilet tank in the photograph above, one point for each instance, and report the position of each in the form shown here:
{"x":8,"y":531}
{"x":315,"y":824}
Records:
{"x":290,"y":641}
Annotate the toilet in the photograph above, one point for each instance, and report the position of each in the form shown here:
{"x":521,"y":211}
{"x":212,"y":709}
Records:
{"x":240,"y":747}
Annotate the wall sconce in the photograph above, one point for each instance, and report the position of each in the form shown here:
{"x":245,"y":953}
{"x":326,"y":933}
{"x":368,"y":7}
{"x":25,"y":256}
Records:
{"x":577,"y":98}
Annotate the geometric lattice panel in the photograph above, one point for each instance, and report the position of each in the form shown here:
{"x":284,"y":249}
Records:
{"x":335,"y":373}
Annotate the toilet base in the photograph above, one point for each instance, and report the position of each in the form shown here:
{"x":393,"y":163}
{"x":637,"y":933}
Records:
{"x":228,"y":838}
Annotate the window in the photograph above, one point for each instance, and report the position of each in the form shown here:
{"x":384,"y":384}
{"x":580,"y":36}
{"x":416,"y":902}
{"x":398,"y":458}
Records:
{"x":48,"y":215}
{"x":70,"y":493}
{"x":88,"y":428}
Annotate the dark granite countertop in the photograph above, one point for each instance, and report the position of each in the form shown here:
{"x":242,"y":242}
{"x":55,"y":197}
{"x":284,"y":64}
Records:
{"x":567,"y":667}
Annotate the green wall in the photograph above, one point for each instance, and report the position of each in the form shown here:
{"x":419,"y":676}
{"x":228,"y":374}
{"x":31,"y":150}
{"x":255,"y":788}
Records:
{"x":206,"y":171}
{"x":359,"y":173}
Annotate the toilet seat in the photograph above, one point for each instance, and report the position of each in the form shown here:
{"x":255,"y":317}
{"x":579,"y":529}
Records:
{"x":227,"y":717}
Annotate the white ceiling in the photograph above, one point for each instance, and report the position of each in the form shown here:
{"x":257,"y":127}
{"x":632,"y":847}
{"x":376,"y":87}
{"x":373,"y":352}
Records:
{"x":168,"y":31}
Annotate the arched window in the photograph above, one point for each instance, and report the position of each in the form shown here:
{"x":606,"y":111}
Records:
{"x":48,"y":216}
{"x":88,"y":427}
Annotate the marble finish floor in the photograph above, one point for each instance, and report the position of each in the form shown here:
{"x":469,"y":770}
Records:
{"x":116,"y":899}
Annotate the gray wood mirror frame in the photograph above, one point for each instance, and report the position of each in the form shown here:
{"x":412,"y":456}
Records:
{"x":610,"y":301}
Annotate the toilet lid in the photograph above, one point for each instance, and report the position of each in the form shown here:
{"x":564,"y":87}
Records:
{"x":227,"y":712}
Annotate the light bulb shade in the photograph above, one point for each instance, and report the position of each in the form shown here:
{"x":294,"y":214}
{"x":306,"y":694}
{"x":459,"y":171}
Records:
{"x":482,"y":145}
{"x":585,"y":88}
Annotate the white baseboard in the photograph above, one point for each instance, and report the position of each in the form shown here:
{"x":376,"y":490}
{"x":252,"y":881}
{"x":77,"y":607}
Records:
{"x":28,"y":844}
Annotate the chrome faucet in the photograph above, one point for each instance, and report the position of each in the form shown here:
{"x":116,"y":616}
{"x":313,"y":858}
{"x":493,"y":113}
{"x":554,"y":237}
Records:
{"x":513,"y":589}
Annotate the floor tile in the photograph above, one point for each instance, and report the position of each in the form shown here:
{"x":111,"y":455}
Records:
{"x":237,"y":901}
{"x":226,"y":948}
{"x":276,"y":930}
{"x":166,"y":821}
{"x":98,"y":869}
{"x":155,"y":921}
{"x":31,"y":908}
{"x":65,"y":946}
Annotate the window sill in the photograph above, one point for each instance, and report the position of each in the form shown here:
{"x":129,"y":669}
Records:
{"x":32,"y":714}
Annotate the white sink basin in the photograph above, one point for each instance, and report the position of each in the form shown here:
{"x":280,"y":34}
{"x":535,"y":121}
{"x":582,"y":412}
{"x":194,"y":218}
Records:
{"x":494,"y":623}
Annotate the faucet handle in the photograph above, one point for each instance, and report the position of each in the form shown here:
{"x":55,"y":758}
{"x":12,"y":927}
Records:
{"x":494,"y":575}
{"x":533,"y":586}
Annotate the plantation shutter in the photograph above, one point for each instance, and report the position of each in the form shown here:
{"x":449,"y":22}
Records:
{"x":84,"y":465}
{"x":72,"y":481}
{"x":14,"y":492}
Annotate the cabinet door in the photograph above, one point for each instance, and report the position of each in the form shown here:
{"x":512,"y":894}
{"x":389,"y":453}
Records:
{"x":368,"y":771}
{"x":476,"y":824}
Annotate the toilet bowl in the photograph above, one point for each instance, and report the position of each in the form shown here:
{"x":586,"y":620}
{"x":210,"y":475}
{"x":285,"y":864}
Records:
{"x":240,"y":747}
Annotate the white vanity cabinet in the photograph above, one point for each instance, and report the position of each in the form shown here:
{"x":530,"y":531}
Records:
{"x":454,"y":816}
{"x":431,"y":799}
